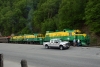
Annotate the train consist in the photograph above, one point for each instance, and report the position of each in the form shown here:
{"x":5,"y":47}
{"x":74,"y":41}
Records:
{"x":27,"y":38}
{"x":37,"y":38}
{"x":4,"y":39}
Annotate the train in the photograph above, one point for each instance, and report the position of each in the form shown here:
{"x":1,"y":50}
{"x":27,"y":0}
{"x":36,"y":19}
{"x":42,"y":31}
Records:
{"x":4,"y":39}
{"x":37,"y":38}
{"x":69,"y":35}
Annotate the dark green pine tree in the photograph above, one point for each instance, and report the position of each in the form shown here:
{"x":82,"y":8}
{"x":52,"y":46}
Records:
{"x":92,"y":15}
{"x":71,"y":14}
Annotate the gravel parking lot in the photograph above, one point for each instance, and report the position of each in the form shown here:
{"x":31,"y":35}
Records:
{"x":38,"y":56}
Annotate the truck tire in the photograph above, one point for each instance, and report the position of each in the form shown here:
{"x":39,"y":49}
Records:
{"x":61,"y":47}
{"x":46,"y":46}
{"x":67,"y":48}
{"x":68,"y":45}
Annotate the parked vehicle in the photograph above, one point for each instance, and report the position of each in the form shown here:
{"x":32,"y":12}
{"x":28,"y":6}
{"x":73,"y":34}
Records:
{"x":57,"y":43}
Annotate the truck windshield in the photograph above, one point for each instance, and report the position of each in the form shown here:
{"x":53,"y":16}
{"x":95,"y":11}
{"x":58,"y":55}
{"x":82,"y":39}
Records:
{"x":58,"y":40}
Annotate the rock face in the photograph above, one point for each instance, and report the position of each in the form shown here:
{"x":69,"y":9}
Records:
{"x":94,"y":39}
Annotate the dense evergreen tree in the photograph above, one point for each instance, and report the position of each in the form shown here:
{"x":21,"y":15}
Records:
{"x":92,"y":15}
{"x":45,"y":13}
{"x":71,"y":13}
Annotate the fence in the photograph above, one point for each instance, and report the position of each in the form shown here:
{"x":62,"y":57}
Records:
{"x":23,"y":62}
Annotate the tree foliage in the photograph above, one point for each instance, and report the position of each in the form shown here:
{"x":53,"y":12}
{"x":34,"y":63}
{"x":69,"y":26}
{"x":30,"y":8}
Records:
{"x":92,"y":15}
{"x":28,"y":16}
{"x":46,"y":11}
{"x":71,"y":13}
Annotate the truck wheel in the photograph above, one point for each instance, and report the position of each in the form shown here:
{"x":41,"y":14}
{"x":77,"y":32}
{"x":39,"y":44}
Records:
{"x":61,"y":47}
{"x":67,"y":48}
{"x":46,"y":46}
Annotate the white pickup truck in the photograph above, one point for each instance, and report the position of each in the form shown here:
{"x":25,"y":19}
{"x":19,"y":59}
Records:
{"x":57,"y":43}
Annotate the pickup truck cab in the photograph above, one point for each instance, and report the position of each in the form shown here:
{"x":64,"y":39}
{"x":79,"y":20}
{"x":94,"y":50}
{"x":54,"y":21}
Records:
{"x":57,"y":43}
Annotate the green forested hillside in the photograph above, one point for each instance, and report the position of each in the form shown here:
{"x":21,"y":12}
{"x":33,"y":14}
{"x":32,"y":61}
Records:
{"x":28,"y":16}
